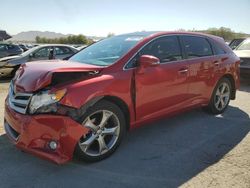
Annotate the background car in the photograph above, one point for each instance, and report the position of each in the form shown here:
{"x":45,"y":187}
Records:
{"x":235,"y":43}
{"x":9,"y":50}
{"x":24,"y":47}
{"x":9,"y":65}
{"x":243,"y":52}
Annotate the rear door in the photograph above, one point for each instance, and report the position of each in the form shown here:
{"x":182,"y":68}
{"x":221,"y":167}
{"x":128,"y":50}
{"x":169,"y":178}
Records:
{"x":201,"y":64}
{"x":164,"y":87}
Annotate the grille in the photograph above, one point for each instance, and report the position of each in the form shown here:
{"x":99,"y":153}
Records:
{"x":245,"y":61}
{"x":19,"y":101}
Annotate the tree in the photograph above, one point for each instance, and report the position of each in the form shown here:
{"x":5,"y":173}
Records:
{"x":72,"y":39}
{"x":110,"y":35}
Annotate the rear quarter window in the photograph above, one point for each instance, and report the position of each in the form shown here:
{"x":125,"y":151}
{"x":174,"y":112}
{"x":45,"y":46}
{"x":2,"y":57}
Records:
{"x":196,"y":46}
{"x":63,"y":50}
{"x":218,"y":50}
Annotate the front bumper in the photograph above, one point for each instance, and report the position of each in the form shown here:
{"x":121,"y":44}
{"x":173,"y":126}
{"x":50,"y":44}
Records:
{"x":32,"y":133}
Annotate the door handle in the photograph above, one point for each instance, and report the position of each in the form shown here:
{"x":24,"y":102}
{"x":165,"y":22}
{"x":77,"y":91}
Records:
{"x":216,"y":63}
{"x":183,"y":71}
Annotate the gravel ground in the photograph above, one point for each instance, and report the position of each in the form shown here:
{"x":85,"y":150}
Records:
{"x":193,"y":149}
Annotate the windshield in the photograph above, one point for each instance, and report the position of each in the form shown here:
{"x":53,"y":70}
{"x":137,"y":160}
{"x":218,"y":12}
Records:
{"x":107,"y":51}
{"x":245,"y":45}
{"x":30,"y":51}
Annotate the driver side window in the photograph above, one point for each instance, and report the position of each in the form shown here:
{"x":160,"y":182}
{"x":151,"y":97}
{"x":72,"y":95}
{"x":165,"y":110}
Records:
{"x":42,"y":53}
{"x":167,"y":49}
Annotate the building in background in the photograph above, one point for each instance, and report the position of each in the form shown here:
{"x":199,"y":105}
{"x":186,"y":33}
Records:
{"x":4,"y":35}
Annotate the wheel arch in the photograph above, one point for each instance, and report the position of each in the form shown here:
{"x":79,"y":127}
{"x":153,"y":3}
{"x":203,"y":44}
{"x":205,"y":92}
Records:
{"x":232,"y":81}
{"x":116,"y":100}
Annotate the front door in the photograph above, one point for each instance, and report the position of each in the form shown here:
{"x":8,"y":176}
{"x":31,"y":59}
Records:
{"x":164,"y":87}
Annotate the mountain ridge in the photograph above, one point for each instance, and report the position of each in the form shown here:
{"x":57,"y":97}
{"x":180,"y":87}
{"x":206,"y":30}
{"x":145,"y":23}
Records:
{"x":30,"y":36}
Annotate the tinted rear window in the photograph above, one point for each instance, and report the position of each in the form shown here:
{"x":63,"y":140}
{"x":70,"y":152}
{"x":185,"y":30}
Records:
{"x":216,"y":48}
{"x":196,"y":46}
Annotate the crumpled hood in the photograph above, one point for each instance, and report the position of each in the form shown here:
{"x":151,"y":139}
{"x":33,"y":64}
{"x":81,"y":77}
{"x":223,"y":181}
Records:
{"x":36,"y":75}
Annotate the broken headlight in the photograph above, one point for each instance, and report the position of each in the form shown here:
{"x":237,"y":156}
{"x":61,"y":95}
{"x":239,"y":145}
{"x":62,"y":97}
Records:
{"x":44,"y":102}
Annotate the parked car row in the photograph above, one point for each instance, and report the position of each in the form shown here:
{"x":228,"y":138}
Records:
{"x":10,"y":64}
{"x":9,"y":50}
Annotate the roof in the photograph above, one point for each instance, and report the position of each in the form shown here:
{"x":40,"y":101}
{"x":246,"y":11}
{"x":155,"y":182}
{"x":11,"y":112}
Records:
{"x":44,"y":45}
{"x":4,"y":35}
{"x":159,"y":33}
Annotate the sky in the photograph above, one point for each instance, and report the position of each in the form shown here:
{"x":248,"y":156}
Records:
{"x":100,"y":17}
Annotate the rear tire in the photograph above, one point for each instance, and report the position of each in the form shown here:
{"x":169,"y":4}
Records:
{"x":107,"y":127}
{"x":221,"y":97}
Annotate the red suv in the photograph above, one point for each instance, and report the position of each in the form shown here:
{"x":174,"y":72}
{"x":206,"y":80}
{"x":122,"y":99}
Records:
{"x":83,"y":106}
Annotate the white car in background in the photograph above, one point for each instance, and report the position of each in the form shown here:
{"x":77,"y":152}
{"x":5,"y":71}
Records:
{"x":243,"y":52}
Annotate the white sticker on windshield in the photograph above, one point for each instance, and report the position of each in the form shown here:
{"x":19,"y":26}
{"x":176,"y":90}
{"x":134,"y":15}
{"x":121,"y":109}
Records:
{"x":134,"y":39}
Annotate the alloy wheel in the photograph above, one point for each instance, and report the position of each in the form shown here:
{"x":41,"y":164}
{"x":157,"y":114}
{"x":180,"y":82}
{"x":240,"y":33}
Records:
{"x":104,"y":130}
{"x":222,"y":96}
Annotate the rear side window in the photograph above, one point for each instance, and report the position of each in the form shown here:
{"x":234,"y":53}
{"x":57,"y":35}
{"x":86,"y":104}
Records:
{"x":62,"y":50}
{"x":217,"y":49}
{"x":196,"y":47}
{"x":167,"y":49}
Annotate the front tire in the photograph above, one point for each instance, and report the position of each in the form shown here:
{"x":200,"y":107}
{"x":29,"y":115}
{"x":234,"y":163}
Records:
{"x":107,"y":126}
{"x":221,"y":97}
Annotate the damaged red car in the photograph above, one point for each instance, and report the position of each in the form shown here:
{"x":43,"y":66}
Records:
{"x":83,"y":106}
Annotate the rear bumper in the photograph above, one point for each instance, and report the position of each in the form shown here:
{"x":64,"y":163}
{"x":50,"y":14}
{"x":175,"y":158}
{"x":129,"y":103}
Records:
{"x":33,"y":134}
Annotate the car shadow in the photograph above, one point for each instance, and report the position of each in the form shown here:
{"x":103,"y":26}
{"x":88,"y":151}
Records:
{"x":166,"y":153}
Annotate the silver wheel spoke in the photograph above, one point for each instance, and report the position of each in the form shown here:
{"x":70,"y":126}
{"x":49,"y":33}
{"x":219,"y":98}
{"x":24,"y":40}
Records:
{"x":102,"y":145}
{"x":85,"y":145}
{"x":105,"y":117}
{"x":226,"y":94}
{"x":217,"y":92}
{"x":222,"y":103}
{"x":89,"y":124}
{"x":223,"y":88}
{"x":217,"y":103}
{"x":110,"y":131}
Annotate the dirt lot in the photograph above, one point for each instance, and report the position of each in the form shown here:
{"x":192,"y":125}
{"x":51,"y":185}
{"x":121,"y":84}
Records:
{"x":193,"y":149}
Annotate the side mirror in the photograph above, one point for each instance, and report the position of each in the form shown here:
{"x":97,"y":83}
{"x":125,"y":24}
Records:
{"x":148,"y":61}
